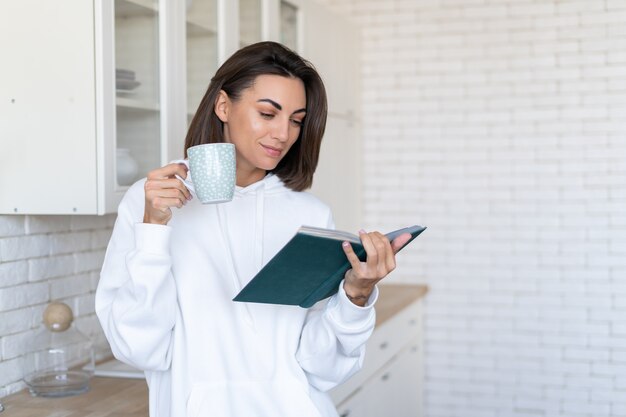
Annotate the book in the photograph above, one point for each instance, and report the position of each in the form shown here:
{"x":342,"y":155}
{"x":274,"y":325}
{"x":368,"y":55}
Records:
{"x":309,"y":267}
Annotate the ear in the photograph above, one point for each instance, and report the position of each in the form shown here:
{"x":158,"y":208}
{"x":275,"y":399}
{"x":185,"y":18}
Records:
{"x":222,"y":106}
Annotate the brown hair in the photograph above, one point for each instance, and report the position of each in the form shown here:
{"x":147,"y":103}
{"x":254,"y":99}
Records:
{"x":239,"y":72}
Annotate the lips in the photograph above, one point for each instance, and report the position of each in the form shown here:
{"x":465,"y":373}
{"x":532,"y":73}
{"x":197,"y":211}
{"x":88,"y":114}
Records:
{"x":271,"y":151}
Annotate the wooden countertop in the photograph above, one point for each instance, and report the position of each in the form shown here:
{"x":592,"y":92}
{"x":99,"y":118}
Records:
{"x":394,"y":297}
{"x":119,"y":397}
{"x":108,"y":397}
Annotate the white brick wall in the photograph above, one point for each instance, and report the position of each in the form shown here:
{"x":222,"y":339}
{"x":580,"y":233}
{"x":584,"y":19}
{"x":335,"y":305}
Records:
{"x":43,"y":259}
{"x":500,"y":124}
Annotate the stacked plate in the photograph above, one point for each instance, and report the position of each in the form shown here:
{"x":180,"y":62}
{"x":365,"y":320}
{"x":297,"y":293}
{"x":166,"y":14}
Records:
{"x":125,"y":82}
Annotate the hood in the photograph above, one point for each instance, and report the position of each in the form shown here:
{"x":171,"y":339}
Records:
{"x":270,"y":184}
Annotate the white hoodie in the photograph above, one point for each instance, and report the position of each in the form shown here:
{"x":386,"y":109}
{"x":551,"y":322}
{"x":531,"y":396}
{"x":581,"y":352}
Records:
{"x":165,"y":303}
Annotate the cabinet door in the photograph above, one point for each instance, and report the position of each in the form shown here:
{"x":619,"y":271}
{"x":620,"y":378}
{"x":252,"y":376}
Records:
{"x":401,"y":386}
{"x":386,"y":342}
{"x":393,"y":391}
{"x":83,"y":93}
{"x":250,"y":22}
{"x":47,"y":99}
{"x":290,"y":24}
{"x":137,"y":79}
{"x":202,"y":50}
{"x":329,"y":43}
{"x":281,"y":21}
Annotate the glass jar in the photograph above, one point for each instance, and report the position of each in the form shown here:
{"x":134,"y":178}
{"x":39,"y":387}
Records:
{"x":61,"y":361}
{"x":127,"y":167}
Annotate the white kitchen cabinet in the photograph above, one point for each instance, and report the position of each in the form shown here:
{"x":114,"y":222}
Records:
{"x":95,"y":94}
{"x":47,"y":107}
{"x":390,"y":382}
{"x":84,"y":81}
{"x":392,"y":391}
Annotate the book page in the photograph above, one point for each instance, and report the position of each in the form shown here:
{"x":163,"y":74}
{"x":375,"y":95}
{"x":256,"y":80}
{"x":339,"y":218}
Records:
{"x":411,"y":229}
{"x":330,"y":234}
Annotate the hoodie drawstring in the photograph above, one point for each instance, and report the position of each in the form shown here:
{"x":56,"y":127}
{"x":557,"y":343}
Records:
{"x":258,"y":242}
{"x":259,"y":227}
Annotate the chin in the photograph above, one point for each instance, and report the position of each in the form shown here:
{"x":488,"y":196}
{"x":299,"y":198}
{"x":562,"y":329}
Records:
{"x":268,"y":165}
{"x":269,"y":168}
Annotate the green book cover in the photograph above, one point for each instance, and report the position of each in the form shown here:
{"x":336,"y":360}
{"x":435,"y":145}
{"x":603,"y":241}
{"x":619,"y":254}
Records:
{"x":308,"y":268}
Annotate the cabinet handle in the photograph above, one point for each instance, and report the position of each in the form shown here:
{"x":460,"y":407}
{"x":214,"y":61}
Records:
{"x":345,"y":413}
{"x":384,"y":345}
{"x":385,"y":376}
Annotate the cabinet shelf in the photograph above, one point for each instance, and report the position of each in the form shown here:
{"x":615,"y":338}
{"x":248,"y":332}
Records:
{"x":195,"y":27}
{"x":137,"y":104}
{"x":134,"y":8}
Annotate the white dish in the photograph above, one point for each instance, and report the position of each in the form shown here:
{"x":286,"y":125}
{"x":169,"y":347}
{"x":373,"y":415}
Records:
{"x":125,"y":74}
{"x":122,"y":84}
{"x":125,"y":92}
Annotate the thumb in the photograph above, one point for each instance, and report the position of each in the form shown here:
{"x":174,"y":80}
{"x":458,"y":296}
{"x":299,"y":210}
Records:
{"x":399,"y":242}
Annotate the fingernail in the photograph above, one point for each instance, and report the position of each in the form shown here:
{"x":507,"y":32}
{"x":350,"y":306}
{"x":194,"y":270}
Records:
{"x":345,"y":244}
{"x":362,"y":231}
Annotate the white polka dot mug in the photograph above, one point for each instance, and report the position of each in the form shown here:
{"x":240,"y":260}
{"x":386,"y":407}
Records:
{"x":213,"y":173}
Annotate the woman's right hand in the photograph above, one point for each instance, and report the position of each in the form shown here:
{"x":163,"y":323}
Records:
{"x":163,"y":190}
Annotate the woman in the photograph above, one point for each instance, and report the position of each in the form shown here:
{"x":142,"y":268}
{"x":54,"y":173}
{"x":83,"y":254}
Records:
{"x":164,"y":297}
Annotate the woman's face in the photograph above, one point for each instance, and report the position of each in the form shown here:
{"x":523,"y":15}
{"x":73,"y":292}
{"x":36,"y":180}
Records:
{"x":263,"y":123}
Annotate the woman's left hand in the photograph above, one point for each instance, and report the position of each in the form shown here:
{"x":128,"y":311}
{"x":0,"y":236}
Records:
{"x":361,"y":279}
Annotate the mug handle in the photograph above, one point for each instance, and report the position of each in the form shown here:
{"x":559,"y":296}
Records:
{"x":188,"y":182}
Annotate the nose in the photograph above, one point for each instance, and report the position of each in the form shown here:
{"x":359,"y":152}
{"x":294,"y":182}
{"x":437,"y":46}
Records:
{"x":281,"y":130}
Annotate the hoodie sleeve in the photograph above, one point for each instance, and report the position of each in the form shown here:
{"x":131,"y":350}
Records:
{"x":136,"y":294}
{"x":332,"y":342}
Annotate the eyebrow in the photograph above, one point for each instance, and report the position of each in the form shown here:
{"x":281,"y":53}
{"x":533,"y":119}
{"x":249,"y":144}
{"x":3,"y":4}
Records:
{"x":278,"y":106}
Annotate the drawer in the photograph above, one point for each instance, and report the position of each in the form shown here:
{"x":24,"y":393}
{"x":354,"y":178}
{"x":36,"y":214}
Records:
{"x":391,"y":337}
{"x":394,"y":390}
{"x":387,"y":340}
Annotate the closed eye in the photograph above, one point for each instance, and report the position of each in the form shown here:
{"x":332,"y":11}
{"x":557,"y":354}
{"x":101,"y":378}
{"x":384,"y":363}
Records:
{"x":266,"y":115}
{"x":297,"y":123}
